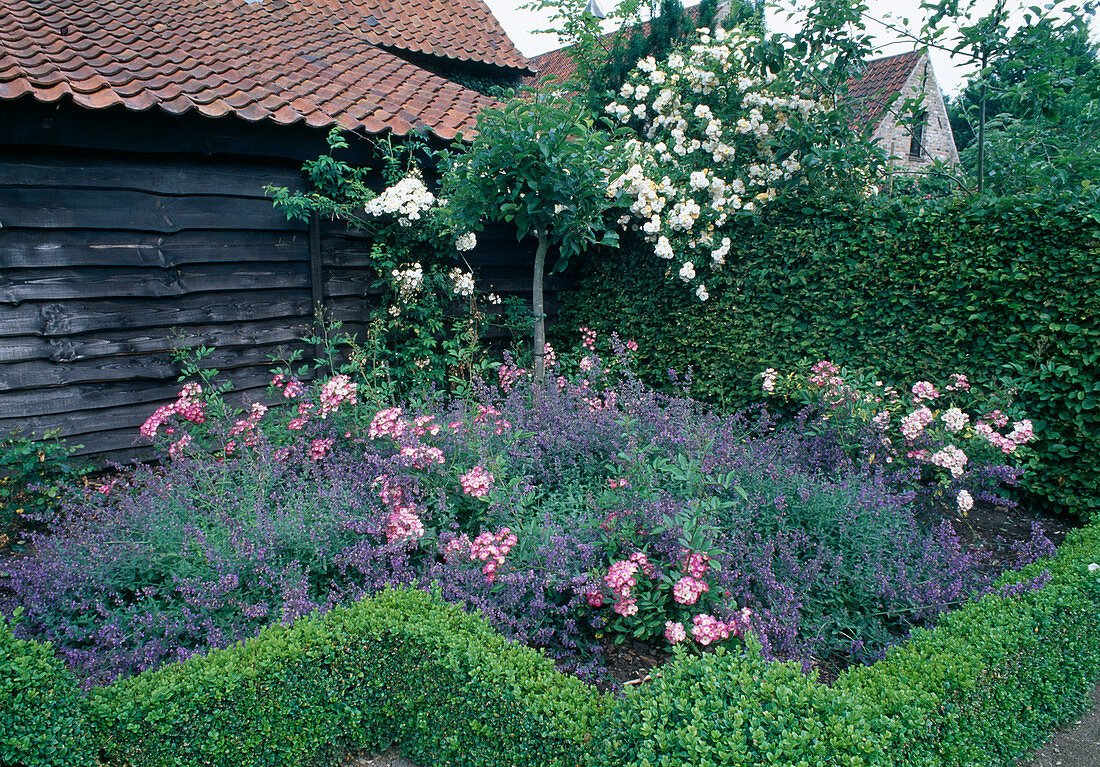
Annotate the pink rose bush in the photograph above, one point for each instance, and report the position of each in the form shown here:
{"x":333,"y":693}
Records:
{"x":477,"y":482}
{"x":189,"y":406}
{"x":952,"y":428}
{"x":654,"y":602}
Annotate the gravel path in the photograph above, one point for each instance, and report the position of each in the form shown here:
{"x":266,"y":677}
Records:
{"x":1076,"y":745}
{"x":389,"y":759}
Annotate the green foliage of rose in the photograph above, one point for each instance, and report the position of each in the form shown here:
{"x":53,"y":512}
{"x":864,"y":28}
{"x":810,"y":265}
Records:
{"x":429,"y":323}
{"x":33,"y":474}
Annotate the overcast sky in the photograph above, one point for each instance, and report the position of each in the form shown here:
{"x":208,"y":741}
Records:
{"x":520,"y":24}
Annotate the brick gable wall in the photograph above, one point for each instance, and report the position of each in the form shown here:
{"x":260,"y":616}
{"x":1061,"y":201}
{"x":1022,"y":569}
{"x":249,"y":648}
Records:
{"x":938,"y":140}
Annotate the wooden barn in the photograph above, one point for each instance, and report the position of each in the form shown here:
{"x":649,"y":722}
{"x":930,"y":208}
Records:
{"x":136,"y":139}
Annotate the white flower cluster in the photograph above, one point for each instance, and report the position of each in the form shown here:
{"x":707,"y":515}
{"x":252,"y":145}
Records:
{"x":406,"y":200}
{"x":467,"y":241}
{"x":408,"y":282}
{"x":719,"y":142}
{"x":955,"y":420}
{"x":462,"y":282}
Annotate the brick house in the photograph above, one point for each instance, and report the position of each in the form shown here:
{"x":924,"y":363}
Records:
{"x":877,"y":94}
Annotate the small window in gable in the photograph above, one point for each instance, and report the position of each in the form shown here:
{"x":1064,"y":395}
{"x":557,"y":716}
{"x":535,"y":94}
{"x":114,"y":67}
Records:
{"x":916,"y":143}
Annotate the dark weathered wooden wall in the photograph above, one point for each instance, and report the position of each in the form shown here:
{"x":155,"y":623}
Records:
{"x":108,"y":260}
{"x":115,"y":247}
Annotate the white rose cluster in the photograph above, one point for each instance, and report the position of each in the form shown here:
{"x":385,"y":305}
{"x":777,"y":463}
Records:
{"x":406,"y":200}
{"x":462,"y":282}
{"x":719,"y":140}
{"x":467,"y":241}
{"x":408,"y":281}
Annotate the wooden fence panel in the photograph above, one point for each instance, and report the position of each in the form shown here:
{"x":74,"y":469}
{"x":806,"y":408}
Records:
{"x":110,"y":260}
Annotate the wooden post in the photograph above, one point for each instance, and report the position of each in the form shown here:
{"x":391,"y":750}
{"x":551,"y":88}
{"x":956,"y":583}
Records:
{"x":316,"y":283}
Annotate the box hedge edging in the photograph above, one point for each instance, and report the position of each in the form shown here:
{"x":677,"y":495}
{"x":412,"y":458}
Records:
{"x":401,"y":667}
{"x":41,"y":715}
{"x":986,"y":685}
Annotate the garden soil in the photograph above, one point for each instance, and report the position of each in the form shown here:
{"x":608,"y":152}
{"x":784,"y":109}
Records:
{"x":1077,"y":745}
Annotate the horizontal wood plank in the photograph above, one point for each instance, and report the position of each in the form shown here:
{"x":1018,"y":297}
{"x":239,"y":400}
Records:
{"x":143,"y":211}
{"x":157,"y":368}
{"x":90,"y":346}
{"x":93,"y":396}
{"x":67,"y":248}
{"x":58,"y":319}
{"x":18,"y":285}
{"x":76,"y":425}
{"x":168,"y":175}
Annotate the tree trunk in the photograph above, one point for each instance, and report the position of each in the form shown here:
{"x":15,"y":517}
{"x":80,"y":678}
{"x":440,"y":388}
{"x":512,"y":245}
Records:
{"x":538,"y":307}
{"x":981,"y":138}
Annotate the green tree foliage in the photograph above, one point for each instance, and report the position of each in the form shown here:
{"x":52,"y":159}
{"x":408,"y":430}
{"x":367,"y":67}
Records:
{"x":537,"y":163}
{"x":982,"y":37}
{"x":1043,"y":107}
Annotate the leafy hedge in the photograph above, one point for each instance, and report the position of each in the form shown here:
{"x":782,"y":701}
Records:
{"x":982,"y":688}
{"x":402,"y":667}
{"x":41,"y":711}
{"x":989,"y":287}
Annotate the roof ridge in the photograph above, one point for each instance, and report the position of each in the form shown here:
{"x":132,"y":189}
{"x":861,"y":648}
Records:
{"x":915,"y":51}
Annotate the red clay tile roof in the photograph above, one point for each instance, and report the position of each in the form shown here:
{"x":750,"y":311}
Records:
{"x":871,"y":91}
{"x":552,"y":67}
{"x":459,"y":29}
{"x":258,"y":61}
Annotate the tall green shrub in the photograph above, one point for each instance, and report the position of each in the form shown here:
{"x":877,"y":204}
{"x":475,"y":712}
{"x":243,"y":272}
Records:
{"x":990,"y":287}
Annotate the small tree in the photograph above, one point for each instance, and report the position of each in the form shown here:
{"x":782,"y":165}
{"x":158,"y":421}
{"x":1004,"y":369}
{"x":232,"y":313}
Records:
{"x":538,"y":163}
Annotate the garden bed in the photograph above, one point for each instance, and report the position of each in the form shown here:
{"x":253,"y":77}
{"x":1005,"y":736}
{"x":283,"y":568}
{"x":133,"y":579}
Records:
{"x":629,"y":535}
{"x":996,"y":529}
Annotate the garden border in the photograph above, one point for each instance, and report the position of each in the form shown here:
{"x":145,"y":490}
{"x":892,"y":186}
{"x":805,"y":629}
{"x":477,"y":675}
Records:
{"x":982,"y":688}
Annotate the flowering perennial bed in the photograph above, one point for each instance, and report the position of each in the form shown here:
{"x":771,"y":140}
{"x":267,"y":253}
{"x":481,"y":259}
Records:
{"x":592,"y":508}
{"x":568,"y":514}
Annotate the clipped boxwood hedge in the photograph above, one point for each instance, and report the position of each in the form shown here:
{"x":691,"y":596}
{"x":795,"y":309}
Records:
{"x":909,"y":288}
{"x":41,"y":710}
{"x":401,"y":667}
{"x":979,"y":690}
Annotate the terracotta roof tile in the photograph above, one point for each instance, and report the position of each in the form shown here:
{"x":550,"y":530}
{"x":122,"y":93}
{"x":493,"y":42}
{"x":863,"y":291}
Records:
{"x":301,"y":60}
{"x":871,"y":91}
{"x":458,"y":29}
